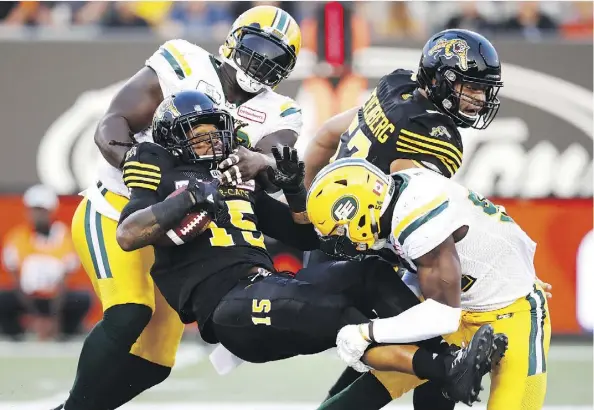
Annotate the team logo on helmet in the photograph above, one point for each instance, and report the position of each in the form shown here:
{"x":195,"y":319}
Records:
{"x":455,"y":48}
{"x":345,"y":208}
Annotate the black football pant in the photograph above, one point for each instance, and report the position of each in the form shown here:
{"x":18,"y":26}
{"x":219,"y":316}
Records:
{"x":266,"y":318}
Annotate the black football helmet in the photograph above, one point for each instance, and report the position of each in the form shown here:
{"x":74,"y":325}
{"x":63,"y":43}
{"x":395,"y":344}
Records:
{"x":453,"y":59}
{"x":177,"y":116}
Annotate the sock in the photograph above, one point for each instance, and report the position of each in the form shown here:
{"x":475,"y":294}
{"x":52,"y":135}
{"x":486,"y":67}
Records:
{"x":348,"y":376}
{"x":138,"y":376}
{"x":365,"y":393}
{"x":427,"y":365}
{"x":104,"y":355}
{"x":428,"y":396}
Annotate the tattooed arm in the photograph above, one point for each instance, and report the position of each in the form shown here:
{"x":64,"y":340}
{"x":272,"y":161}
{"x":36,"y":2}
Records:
{"x":143,"y":221}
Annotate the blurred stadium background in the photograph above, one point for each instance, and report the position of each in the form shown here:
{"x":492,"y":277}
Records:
{"x":62,"y":61}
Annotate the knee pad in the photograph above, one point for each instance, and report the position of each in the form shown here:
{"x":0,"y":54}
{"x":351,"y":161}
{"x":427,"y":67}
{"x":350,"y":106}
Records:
{"x":125,"y":323}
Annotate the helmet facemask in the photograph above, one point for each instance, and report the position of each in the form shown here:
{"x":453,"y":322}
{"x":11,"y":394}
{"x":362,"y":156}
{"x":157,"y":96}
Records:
{"x":261,"y":58}
{"x":185,"y":139}
{"x":449,"y":92}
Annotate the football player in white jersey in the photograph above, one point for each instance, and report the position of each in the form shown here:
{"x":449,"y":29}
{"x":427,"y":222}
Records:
{"x":133,"y":348}
{"x":471,"y":262}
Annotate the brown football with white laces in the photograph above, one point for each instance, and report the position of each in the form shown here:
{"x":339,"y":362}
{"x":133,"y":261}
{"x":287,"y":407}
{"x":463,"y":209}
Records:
{"x":190,"y":227}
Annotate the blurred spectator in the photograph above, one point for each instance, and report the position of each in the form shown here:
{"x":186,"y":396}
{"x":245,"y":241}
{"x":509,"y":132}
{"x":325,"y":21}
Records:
{"x":530,"y":22}
{"x":580,"y":22}
{"x":123,"y":15}
{"x":89,"y":13}
{"x":40,"y":255}
{"x":29,"y":13}
{"x":199,"y":17}
{"x":470,"y":19}
{"x":391,"y":20}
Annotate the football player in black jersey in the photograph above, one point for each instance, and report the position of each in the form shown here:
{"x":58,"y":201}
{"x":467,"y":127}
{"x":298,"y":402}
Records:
{"x":225,"y":280}
{"x":412,"y":120}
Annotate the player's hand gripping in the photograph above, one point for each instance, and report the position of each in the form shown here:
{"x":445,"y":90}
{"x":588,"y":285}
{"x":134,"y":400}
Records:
{"x":243,"y":165}
{"x":207,"y":197}
{"x":289,"y":171}
{"x":351,"y":345}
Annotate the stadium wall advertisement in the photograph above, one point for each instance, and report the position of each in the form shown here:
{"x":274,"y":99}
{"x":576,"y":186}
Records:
{"x":535,"y":159}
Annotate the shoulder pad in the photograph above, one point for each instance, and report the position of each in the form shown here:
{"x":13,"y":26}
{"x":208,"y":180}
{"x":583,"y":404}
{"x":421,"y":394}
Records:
{"x":400,"y":77}
{"x":438,"y":125}
{"x":144,"y":165}
{"x":433,"y":139}
{"x":172,"y":56}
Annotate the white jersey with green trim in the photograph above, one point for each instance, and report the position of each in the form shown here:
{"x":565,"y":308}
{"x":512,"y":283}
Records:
{"x":496,"y":255}
{"x":181,"y":66}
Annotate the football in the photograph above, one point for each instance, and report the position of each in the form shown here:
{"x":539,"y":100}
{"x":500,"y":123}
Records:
{"x":189,"y":228}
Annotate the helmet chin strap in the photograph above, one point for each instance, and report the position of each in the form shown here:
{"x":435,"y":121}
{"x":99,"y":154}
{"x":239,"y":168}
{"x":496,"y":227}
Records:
{"x":247,"y":84}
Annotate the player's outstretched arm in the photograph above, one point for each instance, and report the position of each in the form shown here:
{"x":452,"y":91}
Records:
{"x":130,"y":112}
{"x":325,"y":143}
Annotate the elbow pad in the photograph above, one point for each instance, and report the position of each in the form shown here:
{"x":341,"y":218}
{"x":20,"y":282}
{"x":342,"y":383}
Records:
{"x":423,"y":321}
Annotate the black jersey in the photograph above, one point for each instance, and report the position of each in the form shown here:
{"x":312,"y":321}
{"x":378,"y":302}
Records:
{"x":397,"y":122}
{"x":218,"y":258}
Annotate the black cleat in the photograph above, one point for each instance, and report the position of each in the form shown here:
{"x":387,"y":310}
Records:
{"x":60,"y":407}
{"x":467,"y":366}
{"x":500,"y":341}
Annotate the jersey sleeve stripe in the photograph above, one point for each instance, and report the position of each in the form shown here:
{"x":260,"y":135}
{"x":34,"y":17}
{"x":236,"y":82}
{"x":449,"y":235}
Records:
{"x":134,"y":171}
{"x":134,"y":178}
{"x":142,"y":185}
{"x":433,"y":147}
{"x":451,"y":167}
{"x":418,"y":217}
{"x":433,"y":141}
{"x":177,"y":61}
{"x":290,"y":111}
{"x":141,"y":165}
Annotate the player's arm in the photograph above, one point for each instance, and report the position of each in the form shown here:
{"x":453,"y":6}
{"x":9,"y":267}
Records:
{"x":287,"y":223}
{"x":130,"y":112}
{"x":428,"y":141}
{"x":276,"y":220}
{"x":439,"y":274}
{"x":145,"y":218}
{"x":325,"y":143}
{"x":144,"y":221}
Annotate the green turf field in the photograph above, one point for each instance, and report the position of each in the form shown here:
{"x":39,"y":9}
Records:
{"x":37,"y":376}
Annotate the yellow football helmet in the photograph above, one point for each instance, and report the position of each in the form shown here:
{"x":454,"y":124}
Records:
{"x":263,"y":46}
{"x":347,"y":198}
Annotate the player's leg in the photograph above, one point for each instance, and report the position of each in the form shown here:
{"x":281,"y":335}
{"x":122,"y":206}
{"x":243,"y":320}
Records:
{"x":126,"y":291}
{"x":520,"y":381}
{"x":377,"y":283}
{"x":277,"y":317}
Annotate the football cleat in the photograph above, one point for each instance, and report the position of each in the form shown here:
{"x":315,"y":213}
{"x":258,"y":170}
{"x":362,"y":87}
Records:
{"x":467,"y":366}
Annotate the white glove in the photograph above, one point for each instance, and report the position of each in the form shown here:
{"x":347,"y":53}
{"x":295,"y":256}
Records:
{"x":351,"y":346}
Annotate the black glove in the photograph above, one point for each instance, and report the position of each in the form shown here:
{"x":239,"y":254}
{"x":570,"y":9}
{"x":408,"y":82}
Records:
{"x":289,"y":172}
{"x":207,"y":197}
